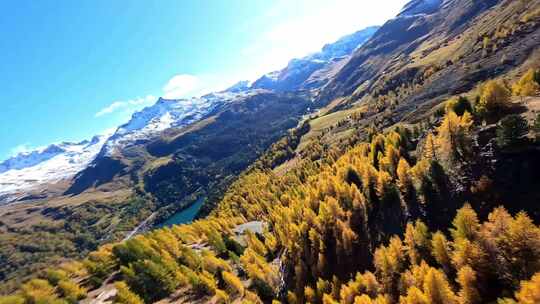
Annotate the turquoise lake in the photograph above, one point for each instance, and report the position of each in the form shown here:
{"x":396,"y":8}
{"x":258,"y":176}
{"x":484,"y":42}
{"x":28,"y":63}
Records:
{"x":185,"y":216}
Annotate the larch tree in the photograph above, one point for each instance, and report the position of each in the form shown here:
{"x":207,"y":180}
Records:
{"x":453,"y":140}
{"x":441,"y":251}
{"x":403,"y":173}
{"x":437,"y":288}
{"x":71,"y":291}
{"x":429,"y":149}
{"x":417,"y":241}
{"x":414,"y":296}
{"x":527,"y":85}
{"x":493,"y":100}
{"x":124,"y":295}
{"x":466,"y":224}
{"x":467,"y":280}
{"x":529,"y":292}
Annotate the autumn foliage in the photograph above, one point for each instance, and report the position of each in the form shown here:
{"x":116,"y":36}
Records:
{"x":371,"y":223}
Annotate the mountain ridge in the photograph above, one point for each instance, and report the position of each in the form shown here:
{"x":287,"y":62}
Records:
{"x":296,"y":75}
{"x":350,"y":182}
{"x":147,"y":124}
{"x":28,"y":171}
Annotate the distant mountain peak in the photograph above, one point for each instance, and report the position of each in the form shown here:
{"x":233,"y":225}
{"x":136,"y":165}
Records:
{"x":144,"y":125}
{"x":299,"y":70}
{"x":34,"y":157}
{"x":415,"y":7}
{"x":30,"y":169}
{"x":53,"y":163}
{"x":240,"y":86}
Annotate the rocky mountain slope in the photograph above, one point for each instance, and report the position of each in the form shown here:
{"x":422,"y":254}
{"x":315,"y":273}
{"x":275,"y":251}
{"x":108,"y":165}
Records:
{"x":435,"y":49}
{"x":164,"y":114}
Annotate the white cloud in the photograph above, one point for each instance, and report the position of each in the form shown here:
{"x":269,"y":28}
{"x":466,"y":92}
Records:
{"x":181,"y":85}
{"x":111,"y":108}
{"x":127,"y":105}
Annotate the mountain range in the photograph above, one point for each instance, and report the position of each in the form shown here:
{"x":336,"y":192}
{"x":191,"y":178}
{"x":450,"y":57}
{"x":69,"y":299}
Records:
{"x":330,"y":159}
{"x":22,"y":175}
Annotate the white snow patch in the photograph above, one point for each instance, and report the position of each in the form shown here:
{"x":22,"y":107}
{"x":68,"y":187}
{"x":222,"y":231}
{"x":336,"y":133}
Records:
{"x":70,"y":158}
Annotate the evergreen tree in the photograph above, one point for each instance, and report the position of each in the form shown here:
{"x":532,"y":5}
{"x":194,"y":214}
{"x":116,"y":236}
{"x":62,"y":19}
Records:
{"x":511,"y":131}
{"x":458,"y":105}
{"x":536,"y":127}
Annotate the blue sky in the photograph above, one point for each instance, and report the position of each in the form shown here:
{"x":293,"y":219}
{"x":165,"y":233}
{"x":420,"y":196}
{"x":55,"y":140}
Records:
{"x":72,"y":69}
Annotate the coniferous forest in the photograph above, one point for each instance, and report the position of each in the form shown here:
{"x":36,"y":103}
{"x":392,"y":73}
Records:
{"x":380,"y":219}
{"x":367,"y":200}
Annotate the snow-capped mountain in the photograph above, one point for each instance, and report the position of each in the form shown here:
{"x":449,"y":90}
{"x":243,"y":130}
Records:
{"x":167,"y":113}
{"x":345,"y":45}
{"x":298,"y":73}
{"x":29,"y":159}
{"x":238,"y":87}
{"x":56,"y":162}
{"x":28,"y":170}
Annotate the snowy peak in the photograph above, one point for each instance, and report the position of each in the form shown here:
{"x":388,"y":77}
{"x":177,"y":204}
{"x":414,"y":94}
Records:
{"x":238,"y":87}
{"x":345,"y":45}
{"x":167,"y":113}
{"x":30,"y":170}
{"x":32,"y":158}
{"x":296,"y":75}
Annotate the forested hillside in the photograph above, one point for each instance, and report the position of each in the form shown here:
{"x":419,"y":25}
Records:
{"x":159,"y":164}
{"x":383,"y":219}
{"x":415,"y":182}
